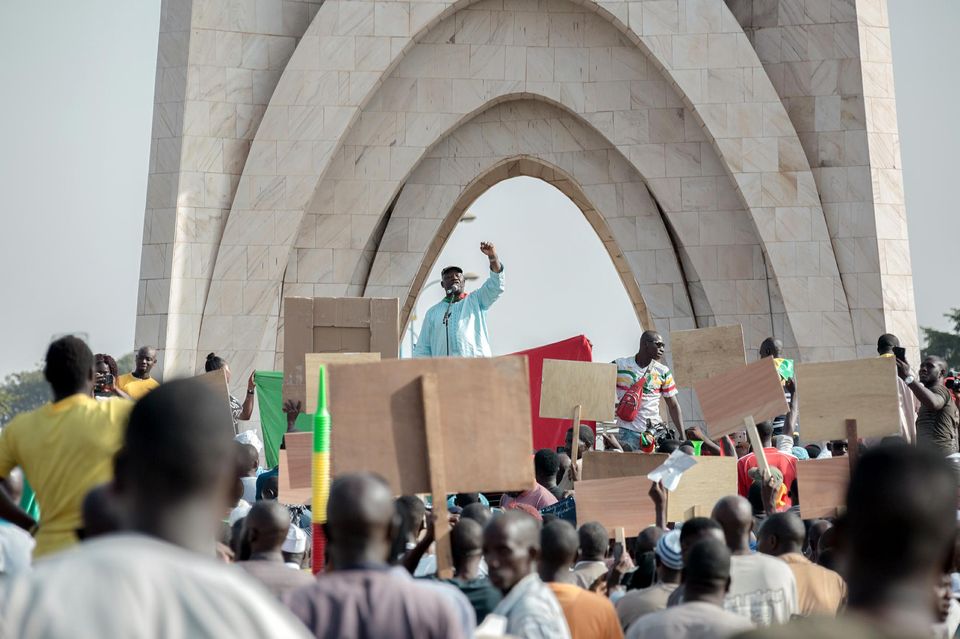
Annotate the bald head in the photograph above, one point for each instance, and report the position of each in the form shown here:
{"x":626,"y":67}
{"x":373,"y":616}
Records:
{"x":647,"y":540}
{"x":511,"y":546}
{"x":267,"y":524}
{"x":781,"y":534}
{"x":735,"y":516}
{"x":771,"y":347}
{"x":360,"y":519}
{"x":558,"y":545}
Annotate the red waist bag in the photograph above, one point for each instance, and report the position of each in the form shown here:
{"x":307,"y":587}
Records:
{"x":629,"y":405}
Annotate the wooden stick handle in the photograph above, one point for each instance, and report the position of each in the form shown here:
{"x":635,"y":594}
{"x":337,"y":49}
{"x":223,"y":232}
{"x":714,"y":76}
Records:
{"x":431,"y":422}
{"x":853,"y":443}
{"x":757,"y":447}
{"x":575,"y":441}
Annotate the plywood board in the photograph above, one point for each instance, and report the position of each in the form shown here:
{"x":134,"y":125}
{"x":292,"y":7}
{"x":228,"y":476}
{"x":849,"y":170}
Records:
{"x":294,"y":480}
{"x":566,"y":384}
{"x":377,"y":422}
{"x":708,"y":481}
{"x":313,"y":362}
{"x":822,"y":486}
{"x":753,"y":390}
{"x":334,"y":325}
{"x":621,"y":502}
{"x":830,"y":393}
{"x":603,"y":465}
{"x":216,"y":381}
{"x":701,"y":353}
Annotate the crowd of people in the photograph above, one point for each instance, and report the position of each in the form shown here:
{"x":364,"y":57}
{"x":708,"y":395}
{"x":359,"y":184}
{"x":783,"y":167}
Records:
{"x":134,"y":508}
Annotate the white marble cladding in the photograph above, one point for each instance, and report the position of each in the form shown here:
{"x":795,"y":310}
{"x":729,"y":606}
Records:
{"x":675,"y":88}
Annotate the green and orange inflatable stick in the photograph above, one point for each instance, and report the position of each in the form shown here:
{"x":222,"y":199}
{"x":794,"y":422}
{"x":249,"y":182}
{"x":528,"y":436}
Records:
{"x":321,"y":471}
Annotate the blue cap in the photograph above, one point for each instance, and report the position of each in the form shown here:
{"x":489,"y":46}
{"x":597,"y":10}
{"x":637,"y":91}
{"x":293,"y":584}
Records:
{"x":668,"y":550}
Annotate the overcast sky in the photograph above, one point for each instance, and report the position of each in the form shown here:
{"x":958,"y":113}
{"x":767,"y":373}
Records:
{"x":75,"y":121}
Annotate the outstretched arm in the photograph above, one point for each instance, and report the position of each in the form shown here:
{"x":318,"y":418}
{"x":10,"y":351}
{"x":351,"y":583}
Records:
{"x":927,"y":398}
{"x":247,"y":410}
{"x":492,"y":289}
{"x":490,"y":251}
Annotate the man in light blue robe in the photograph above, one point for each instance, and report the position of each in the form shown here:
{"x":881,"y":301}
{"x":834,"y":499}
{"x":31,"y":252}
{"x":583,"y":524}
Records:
{"x":457,"y":325}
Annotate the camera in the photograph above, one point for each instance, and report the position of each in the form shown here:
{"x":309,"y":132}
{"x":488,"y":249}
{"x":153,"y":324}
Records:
{"x":953,"y":381}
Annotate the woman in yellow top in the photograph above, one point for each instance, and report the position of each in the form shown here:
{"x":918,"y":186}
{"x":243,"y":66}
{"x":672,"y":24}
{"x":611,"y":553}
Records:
{"x":139,"y":383}
{"x":65,"y":447}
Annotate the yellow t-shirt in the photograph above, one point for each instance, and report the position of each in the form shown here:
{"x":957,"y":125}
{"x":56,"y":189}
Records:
{"x":136,"y":387}
{"x":65,"y":449}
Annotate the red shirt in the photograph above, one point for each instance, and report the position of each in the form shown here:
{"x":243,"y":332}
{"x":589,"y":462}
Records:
{"x":786,"y":463}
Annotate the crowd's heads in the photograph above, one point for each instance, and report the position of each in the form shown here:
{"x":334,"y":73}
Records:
{"x":465,"y":499}
{"x":294,"y":547}
{"x":178,"y":450}
{"x":361,"y":520}
{"x":266,"y":526}
{"x":900,"y":524}
{"x":593,"y":541}
{"x":765,"y":430}
{"x":145,"y":360}
{"x":814,"y":533}
{"x":735,"y":516}
{"x":771,"y":347}
{"x":545,"y":466}
{"x":696,"y":529}
{"x":647,"y":540}
{"x":466,"y":542}
{"x":651,"y":345}
{"x":886,"y":343}
{"x":511,"y":547}
{"x":104,"y":364}
{"x":706,"y":571}
{"x":412,"y":512}
{"x":248,"y":459}
{"x":558,"y":548}
{"x":69,"y":367}
{"x":477,"y":512}
{"x":780,"y":534}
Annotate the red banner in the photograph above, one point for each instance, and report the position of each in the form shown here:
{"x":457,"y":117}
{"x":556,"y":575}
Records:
{"x":550,"y":433}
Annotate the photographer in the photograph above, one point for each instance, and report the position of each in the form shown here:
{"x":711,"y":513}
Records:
{"x":105,"y":376}
{"x":938,"y":417}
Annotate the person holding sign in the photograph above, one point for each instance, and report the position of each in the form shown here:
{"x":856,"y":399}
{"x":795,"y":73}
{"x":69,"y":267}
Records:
{"x":642,"y":380}
{"x":457,"y":326}
{"x":937,"y":419}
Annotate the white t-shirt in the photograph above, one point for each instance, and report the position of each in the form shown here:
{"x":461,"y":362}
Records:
{"x":693,"y":620}
{"x":658,"y":383}
{"x":132,"y":586}
{"x":762,"y":589}
{"x":16,"y":548}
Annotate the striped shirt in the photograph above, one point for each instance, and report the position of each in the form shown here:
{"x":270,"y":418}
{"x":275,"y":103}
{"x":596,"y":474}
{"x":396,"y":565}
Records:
{"x":658,"y":383}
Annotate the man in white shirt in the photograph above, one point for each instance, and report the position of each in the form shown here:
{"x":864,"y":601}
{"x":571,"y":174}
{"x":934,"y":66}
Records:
{"x":645,"y":374}
{"x":159,"y":576}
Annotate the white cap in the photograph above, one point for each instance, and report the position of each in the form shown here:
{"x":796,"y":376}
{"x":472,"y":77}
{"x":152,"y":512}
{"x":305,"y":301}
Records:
{"x":250,"y":437}
{"x":239,"y":512}
{"x":296,"y":540}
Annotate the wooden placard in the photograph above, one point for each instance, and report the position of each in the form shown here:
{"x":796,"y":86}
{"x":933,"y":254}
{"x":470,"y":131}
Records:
{"x":294,"y":479}
{"x":604,"y":465}
{"x":707,"y":482}
{"x":566,"y":384}
{"x":753,"y":390}
{"x":313,"y":362}
{"x":701,"y":353}
{"x":377,"y":422}
{"x":216,"y":381}
{"x":620,"y":502}
{"x":430,"y":399}
{"x":335,"y":325}
{"x":830,"y":393}
{"x":822,"y":486}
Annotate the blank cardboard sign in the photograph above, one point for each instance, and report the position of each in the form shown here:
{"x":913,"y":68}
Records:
{"x":216,"y":381}
{"x":832,"y":392}
{"x":602,"y":465}
{"x":822,"y":484}
{"x":618,"y":502}
{"x":377,"y":422}
{"x":295,"y":479}
{"x":753,"y":390}
{"x":567,"y":384}
{"x":334,"y":325}
{"x":707,"y":482}
{"x":313,"y":362}
{"x":701,"y":353}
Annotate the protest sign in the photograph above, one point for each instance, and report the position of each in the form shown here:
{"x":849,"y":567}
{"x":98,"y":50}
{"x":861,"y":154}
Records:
{"x":701,"y":353}
{"x":581,"y":390}
{"x":822,"y":486}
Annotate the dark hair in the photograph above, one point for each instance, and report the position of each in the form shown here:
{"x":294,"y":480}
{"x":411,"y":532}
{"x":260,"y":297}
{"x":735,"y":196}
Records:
{"x":668,"y":446}
{"x":813,"y":450}
{"x":695,"y":527}
{"x":109,"y":361}
{"x":558,"y":543}
{"x":646,"y":571}
{"x":465,"y":499}
{"x":465,"y":538}
{"x":593,"y":540}
{"x":213,"y":363}
{"x":707,"y":563}
{"x":786,"y":527}
{"x":546,"y":462}
{"x":887,"y":342}
{"x":69,"y":365}
{"x":477,"y":512}
{"x":765,"y":430}
{"x":411,"y":511}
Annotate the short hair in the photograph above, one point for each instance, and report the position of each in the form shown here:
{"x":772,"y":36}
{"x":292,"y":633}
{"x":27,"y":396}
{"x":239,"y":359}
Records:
{"x":813,"y":450}
{"x":765,"y":429}
{"x":466,"y":538}
{"x":465,"y":499}
{"x":905,"y":498}
{"x":546,"y":462}
{"x":248,"y":458}
{"x":213,"y":363}
{"x":707,"y":563}
{"x":593,"y":540}
{"x":109,"y":361}
{"x":586,"y":434}
{"x":696,"y":526}
{"x":668,"y":446}
{"x":69,"y":363}
{"x":558,"y":543}
{"x":786,"y":527}
{"x":887,"y":342}
{"x":411,"y":511}
{"x":477,"y":512}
